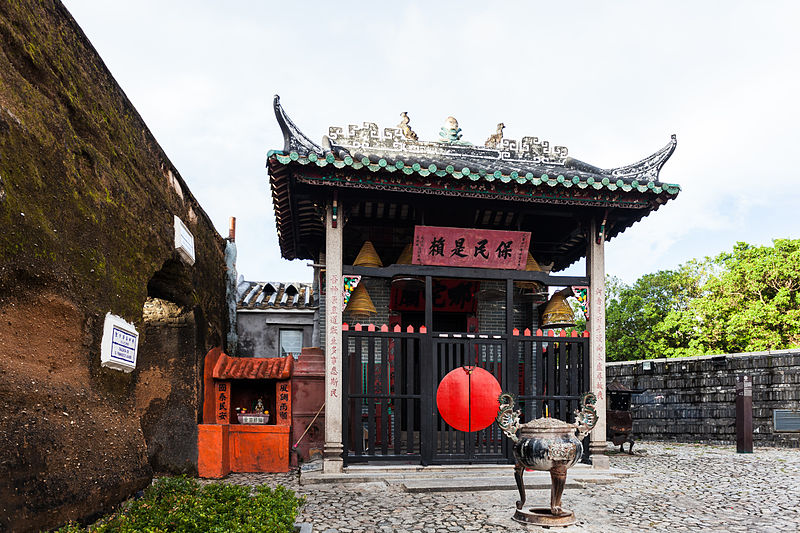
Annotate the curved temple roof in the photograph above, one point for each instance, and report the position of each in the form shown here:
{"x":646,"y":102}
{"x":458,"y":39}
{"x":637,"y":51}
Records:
{"x":529,"y":170}
{"x":528,"y":161}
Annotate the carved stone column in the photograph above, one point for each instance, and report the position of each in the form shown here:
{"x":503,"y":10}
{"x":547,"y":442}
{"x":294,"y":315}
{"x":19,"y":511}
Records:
{"x":595,"y":266}
{"x":334,"y":299}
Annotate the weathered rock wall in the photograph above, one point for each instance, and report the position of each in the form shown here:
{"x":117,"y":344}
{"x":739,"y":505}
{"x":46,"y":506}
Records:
{"x":693,"y":398}
{"x":87,"y":199}
{"x":169,"y":389}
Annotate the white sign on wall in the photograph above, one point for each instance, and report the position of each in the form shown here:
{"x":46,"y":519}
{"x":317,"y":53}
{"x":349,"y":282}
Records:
{"x":184,"y":241}
{"x":120,"y":344}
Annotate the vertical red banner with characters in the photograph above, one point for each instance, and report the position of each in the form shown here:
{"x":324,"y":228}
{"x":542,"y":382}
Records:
{"x":284,"y":403}
{"x":223,"y":397}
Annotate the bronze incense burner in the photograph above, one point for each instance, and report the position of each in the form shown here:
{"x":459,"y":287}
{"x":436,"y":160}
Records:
{"x":546,"y":444}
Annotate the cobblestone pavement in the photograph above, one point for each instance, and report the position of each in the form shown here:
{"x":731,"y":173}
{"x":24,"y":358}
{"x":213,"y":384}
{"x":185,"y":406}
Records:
{"x":676,"y":487}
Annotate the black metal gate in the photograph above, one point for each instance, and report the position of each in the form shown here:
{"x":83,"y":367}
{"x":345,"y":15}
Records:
{"x":390,"y":380}
{"x":383,"y":398}
{"x":455,"y":351}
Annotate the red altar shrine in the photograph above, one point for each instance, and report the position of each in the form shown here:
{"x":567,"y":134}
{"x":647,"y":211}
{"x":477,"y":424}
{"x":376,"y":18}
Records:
{"x":236,"y":436}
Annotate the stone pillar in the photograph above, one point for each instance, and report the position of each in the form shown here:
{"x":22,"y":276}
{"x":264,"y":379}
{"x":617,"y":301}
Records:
{"x":334,"y":298}
{"x":595,"y":266}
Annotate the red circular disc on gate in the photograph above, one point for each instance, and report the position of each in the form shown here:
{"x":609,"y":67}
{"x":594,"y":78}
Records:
{"x":467,"y":398}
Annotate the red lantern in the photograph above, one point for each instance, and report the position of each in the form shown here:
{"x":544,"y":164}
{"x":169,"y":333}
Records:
{"x":467,"y":398}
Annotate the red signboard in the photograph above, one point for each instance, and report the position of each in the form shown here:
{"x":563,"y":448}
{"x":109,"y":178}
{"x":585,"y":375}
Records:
{"x":477,"y":248}
{"x":223,"y":397}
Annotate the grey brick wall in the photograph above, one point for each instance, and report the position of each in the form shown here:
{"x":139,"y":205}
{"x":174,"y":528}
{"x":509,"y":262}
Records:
{"x":693,"y":398}
{"x":492,"y":314}
{"x":379,"y":290}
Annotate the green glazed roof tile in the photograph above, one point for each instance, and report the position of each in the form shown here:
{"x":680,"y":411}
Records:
{"x":473,"y":175}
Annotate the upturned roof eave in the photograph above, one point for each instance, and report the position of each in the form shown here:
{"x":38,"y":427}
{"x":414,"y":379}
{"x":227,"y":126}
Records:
{"x":565,"y":178}
{"x":462,"y":160}
{"x":300,"y":155}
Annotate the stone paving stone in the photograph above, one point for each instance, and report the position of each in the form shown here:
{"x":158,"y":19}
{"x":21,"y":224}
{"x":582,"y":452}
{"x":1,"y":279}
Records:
{"x":677,"y":487}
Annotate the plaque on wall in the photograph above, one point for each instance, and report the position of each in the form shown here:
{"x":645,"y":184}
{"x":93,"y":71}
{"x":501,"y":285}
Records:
{"x":120,"y":344}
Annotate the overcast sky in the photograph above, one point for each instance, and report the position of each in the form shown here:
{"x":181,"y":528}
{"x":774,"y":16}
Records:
{"x":609,"y":80}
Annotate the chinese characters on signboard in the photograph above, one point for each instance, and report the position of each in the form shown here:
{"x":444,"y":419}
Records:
{"x":597,"y":304}
{"x":223,"y":395}
{"x":334,"y":332}
{"x":283,"y":403}
{"x":477,"y":248}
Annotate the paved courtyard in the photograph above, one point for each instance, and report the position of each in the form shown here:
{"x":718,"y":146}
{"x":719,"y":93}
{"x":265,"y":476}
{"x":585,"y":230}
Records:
{"x":675,"y":487}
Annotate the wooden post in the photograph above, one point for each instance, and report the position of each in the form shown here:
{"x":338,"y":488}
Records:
{"x":595,"y":266}
{"x":744,"y":414}
{"x":334,"y":300}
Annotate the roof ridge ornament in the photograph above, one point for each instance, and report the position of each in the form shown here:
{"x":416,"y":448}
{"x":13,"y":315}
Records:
{"x":500,"y":156}
{"x":649,"y":167}
{"x":451,"y":133}
{"x":408,"y":133}
{"x":293,"y":139}
{"x":496,"y":138}
{"x":646,"y":169}
{"x":367,"y":137}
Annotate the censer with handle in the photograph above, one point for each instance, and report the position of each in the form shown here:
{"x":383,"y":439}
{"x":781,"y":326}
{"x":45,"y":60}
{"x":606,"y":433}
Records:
{"x":546,"y":444}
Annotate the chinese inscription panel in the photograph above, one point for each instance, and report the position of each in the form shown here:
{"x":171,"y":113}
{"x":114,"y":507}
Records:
{"x":466,"y":247}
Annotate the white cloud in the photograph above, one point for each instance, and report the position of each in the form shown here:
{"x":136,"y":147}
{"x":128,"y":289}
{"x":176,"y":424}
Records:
{"x":609,"y":81}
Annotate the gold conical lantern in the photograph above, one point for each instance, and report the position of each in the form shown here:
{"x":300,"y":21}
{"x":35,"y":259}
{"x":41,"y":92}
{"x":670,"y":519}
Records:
{"x":531,"y":266}
{"x":368,"y":257}
{"x":360,"y":304}
{"x":405,"y":256}
{"x":407,"y":280}
{"x":558,"y":313}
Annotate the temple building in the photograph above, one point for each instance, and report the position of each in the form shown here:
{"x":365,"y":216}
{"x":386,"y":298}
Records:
{"x":436,"y":255}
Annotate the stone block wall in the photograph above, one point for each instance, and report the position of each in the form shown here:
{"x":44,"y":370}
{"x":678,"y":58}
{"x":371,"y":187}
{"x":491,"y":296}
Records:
{"x":693,"y":398}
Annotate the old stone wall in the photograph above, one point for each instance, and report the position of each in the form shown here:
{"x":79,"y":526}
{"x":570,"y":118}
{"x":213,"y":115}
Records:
{"x":169,"y":392}
{"x":693,"y":398}
{"x":87,"y":200}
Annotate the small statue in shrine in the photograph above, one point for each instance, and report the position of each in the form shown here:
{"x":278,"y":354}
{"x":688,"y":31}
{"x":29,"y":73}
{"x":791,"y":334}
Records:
{"x":408,"y":133}
{"x":259,"y":409}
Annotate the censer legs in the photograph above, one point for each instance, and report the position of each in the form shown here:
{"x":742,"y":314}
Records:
{"x":519,"y":470}
{"x":558,"y":477}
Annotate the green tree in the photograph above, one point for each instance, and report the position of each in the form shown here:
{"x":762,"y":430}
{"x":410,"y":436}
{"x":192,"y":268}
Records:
{"x":635,"y":314}
{"x":752,"y":300}
{"x":745,"y":300}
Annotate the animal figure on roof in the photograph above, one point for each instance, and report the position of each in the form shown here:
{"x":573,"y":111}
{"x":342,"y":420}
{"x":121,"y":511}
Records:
{"x":495,"y":139}
{"x":408,"y":133}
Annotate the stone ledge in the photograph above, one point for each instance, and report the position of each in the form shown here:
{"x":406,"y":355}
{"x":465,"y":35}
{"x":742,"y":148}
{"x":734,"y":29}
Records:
{"x":460,"y":477}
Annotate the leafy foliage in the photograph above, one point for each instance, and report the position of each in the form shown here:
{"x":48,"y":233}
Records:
{"x":636,"y":315}
{"x":745,"y":300}
{"x":180,"y":504}
{"x":754,"y":302}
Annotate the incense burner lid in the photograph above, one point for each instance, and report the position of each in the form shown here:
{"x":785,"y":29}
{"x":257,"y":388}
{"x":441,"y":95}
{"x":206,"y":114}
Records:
{"x":546,"y":426}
